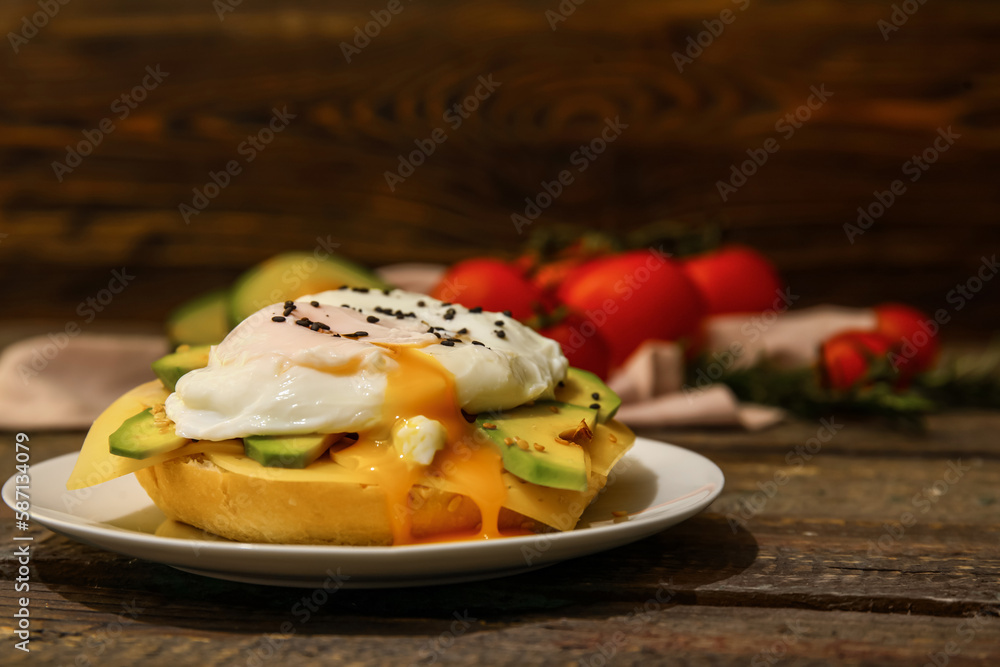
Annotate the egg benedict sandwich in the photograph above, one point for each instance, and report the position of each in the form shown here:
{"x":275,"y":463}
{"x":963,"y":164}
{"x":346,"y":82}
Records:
{"x":364,"y":417}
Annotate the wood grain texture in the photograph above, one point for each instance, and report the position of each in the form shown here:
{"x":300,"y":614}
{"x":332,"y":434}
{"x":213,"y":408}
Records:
{"x":324,"y":174}
{"x":802,"y":579}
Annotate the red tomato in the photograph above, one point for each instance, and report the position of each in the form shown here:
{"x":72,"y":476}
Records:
{"x":846,"y":357}
{"x":735,"y":279}
{"x":549,"y":276}
{"x":492,"y":284}
{"x":581,"y":343}
{"x":913,"y":331}
{"x":633,"y":297}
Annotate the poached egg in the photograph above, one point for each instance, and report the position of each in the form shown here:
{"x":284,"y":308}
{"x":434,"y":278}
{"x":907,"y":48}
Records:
{"x":325,"y":362}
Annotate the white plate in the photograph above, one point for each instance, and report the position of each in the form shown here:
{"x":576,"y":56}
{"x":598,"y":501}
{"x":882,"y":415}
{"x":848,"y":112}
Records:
{"x":658,"y":484}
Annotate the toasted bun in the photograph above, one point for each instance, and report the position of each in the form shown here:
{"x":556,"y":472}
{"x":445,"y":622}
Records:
{"x":195,"y":491}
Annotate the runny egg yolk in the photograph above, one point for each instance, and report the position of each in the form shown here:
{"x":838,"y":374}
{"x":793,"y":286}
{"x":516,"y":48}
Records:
{"x":420,"y":386}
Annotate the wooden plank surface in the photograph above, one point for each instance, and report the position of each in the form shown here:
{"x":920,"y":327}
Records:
{"x":811,"y":573}
{"x":325,"y":173}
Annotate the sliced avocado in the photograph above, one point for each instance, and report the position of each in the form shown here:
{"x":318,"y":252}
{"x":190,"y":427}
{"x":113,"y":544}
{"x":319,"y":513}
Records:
{"x":171,"y":367}
{"x":584,"y":388}
{"x":200,"y":321}
{"x":289,"y":276}
{"x":558,"y":429}
{"x":144,"y":435}
{"x":288,"y":451}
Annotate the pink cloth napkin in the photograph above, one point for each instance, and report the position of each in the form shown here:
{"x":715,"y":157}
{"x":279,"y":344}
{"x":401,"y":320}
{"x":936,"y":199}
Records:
{"x":52,"y":383}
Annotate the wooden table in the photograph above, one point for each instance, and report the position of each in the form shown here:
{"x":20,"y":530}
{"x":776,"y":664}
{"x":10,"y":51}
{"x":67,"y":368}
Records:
{"x":798,"y":562}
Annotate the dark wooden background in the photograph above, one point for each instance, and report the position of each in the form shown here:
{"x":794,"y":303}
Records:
{"x":324,"y":174}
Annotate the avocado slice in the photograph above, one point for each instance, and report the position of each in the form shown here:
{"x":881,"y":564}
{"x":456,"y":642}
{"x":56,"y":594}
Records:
{"x":557,"y":428}
{"x":289,"y":276}
{"x":144,"y":435}
{"x":171,"y":367}
{"x":200,"y":321}
{"x":288,"y":451}
{"x":586,"y":389}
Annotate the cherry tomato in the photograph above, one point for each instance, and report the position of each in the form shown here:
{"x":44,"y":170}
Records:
{"x":914,"y":333}
{"x":633,"y":297}
{"x":492,"y":284}
{"x":582,"y":344}
{"x":846,"y":357}
{"x":735,"y":279}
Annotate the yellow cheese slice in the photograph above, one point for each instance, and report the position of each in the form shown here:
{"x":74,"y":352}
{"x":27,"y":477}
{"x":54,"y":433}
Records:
{"x":558,"y":508}
{"x":610,"y":442}
{"x":96,"y":464}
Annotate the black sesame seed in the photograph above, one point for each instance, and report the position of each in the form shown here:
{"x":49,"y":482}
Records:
{"x":477,"y":309}
{"x":314,"y":304}
{"x":288,"y":311}
{"x":277,"y":318}
{"x":455,"y":340}
{"x":304,"y":322}
{"x":449,"y":314}
{"x":500,"y":333}
{"x":461,"y":331}
{"x":499,"y":323}
{"x":595,"y":396}
{"x":446,"y":303}
{"x":358,"y":334}
{"x":448,"y":343}
{"x":595,"y":406}
{"x":362,"y":290}
{"x":343,"y":287}
{"x":315,"y":326}
{"x":289,"y":304}
{"x":320,"y":325}
{"x":400,"y":316}
{"x":507,"y":313}
{"x":372,"y":319}
{"x":386,"y":291}
{"x":476,"y":342}
{"x":421,"y":303}
{"x":436,"y":334}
